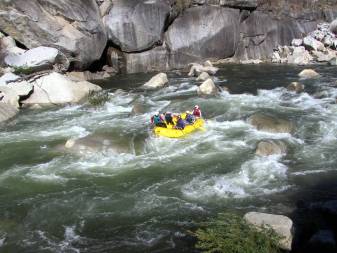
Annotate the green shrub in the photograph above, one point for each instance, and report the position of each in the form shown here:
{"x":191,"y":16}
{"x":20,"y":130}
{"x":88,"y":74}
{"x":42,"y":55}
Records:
{"x":230,"y":233}
{"x":23,"y":70}
{"x":98,"y":98}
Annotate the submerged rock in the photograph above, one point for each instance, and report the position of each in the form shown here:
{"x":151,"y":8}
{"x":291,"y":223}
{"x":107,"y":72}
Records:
{"x":271,"y":147}
{"x":207,"y":88}
{"x":55,"y":88}
{"x":270,"y":124}
{"x":282,"y":225}
{"x":308,"y":74}
{"x":296,"y":86}
{"x":158,"y":81}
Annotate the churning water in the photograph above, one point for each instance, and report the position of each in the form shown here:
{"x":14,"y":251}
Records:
{"x":128,"y":191}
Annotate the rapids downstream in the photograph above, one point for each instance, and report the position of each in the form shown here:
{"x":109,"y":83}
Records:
{"x":134,"y":192}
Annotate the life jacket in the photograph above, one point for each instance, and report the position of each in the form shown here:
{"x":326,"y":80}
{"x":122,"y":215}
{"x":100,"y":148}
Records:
{"x":157,"y":119}
{"x":180,"y":123}
{"x":197,"y":113}
{"x":189,"y":118}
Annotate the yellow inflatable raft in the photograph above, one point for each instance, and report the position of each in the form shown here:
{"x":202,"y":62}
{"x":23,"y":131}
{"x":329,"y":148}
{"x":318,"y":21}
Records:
{"x":170,"y":132}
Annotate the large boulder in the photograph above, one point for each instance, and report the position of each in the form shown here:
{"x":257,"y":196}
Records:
{"x":313,"y":44}
{"x":8,"y":77}
{"x":8,"y":46}
{"x":158,"y":81}
{"x":308,"y":74}
{"x":135,"y":26}
{"x":323,"y":57}
{"x":7,"y":111}
{"x":203,"y":32}
{"x":73,"y":26}
{"x":55,"y":88}
{"x":271,"y":147}
{"x":282,"y":226}
{"x":196,"y":69}
{"x":203,"y":76}
{"x":39,"y":58}
{"x":270,"y":124}
{"x":300,"y":56}
{"x":207,"y":88}
{"x":14,"y":92}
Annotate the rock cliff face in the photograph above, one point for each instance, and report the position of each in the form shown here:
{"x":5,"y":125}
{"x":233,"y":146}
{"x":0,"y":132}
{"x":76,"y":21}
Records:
{"x":155,"y":35}
{"x":75,"y":27}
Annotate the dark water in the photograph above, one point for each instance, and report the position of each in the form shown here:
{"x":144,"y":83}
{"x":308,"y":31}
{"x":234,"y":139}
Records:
{"x":125,"y":190}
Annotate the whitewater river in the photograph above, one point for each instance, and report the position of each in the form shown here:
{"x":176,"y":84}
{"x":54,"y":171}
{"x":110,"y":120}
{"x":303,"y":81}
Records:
{"x":132,"y":192}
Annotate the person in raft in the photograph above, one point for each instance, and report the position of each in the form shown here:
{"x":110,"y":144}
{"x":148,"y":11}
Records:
{"x":180,"y":123}
{"x":169,"y":118}
{"x":158,"y":120}
{"x":197,"y":112}
{"x":189,"y":117}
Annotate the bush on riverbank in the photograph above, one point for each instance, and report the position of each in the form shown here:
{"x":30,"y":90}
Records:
{"x":230,"y":233}
{"x":98,"y":98}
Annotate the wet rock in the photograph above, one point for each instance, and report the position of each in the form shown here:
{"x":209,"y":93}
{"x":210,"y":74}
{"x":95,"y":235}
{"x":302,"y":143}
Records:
{"x":92,"y":144}
{"x":207,"y":88}
{"x":297,"y":42}
{"x":7,"y":111}
{"x":203,"y":76}
{"x":271,"y":147}
{"x":322,"y":241}
{"x":158,"y":81}
{"x":39,"y":58}
{"x":55,"y":88}
{"x":282,"y":225}
{"x":333,"y":61}
{"x":295,"y":86}
{"x":308,"y":74}
{"x":270,"y":124}
{"x":197,"y":69}
{"x":138,"y":108}
{"x":136,"y":25}
{"x":201,"y":33}
{"x":73,"y":27}
{"x":313,"y":44}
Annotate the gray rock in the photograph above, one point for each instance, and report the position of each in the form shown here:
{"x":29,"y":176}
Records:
{"x":158,"y":81}
{"x":203,"y":32}
{"x":308,"y":74}
{"x":333,"y":26}
{"x":149,"y":61}
{"x":296,"y":86}
{"x":8,"y":46}
{"x":300,"y":56}
{"x":323,"y":57}
{"x":7,"y":111}
{"x":203,"y":76}
{"x":333,"y":61}
{"x":313,"y":44}
{"x":136,"y":25}
{"x":207,"y":88}
{"x":197,"y":69}
{"x":297,"y":42}
{"x":39,"y":58}
{"x":4,"y":79}
{"x":55,"y":88}
{"x":271,"y":147}
{"x":282,"y":225}
{"x":74,"y":27}
{"x":105,"y":7}
{"x":270,"y":124}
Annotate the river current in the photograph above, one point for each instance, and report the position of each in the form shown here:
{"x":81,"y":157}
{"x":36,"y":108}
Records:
{"x":142,"y":193}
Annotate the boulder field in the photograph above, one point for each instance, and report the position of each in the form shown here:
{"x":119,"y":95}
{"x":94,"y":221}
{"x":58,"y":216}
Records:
{"x":158,"y":35}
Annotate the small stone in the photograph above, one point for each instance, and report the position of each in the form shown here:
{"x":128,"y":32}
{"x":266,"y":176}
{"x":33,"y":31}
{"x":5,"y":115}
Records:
{"x":296,"y":86}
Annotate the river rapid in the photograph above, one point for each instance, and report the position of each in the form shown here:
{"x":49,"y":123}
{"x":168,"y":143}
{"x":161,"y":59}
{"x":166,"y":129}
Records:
{"x":142,"y":193}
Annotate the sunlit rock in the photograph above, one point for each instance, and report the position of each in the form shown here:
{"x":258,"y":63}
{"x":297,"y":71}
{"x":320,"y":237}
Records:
{"x":282,"y":225}
{"x":196,"y":69}
{"x":270,"y":124}
{"x":295,"y":86}
{"x":313,"y":44}
{"x":158,"y":81}
{"x":203,"y":76}
{"x":308,"y":74}
{"x":271,"y":147}
{"x":55,"y":88}
{"x":207,"y":88}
